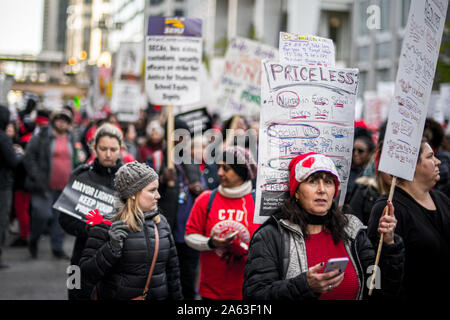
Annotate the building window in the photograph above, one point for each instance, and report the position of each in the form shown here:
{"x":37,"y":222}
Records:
{"x":363,"y":30}
{"x":156,"y":2}
{"x":383,"y":75}
{"x":178,"y":13}
{"x":363,"y":53}
{"x":385,"y":12}
{"x":405,"y":11}
{"x":383,"y":50}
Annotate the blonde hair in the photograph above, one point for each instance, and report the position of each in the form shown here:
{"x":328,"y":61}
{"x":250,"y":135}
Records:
{"x":132,"y":215}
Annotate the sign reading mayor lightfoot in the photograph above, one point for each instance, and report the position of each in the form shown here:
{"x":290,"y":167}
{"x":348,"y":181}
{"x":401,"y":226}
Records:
{"x":81,"y":196}
{"x":173,"y":60}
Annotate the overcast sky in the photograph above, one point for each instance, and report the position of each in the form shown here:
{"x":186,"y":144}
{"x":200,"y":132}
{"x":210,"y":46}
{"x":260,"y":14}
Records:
{"x":20,"y":26}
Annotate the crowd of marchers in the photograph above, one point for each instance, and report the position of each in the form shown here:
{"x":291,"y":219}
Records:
{"x":187,"y":231}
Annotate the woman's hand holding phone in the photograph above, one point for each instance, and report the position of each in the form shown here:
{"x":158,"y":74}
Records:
{"x":323,"y":282}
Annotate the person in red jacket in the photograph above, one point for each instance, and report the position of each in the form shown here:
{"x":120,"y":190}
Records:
{"x":221,"y":225}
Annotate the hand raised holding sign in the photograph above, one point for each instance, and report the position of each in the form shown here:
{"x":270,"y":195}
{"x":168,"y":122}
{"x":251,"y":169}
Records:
{"x":94,"y":218}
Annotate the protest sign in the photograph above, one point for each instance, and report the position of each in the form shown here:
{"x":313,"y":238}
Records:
{"x":93,"y":99}
{"x":240,"y":84}
{"x":376,"y":104}
{"x":303,"y":109}
{"x":81,"y":196}
{"x":445,"y":99}
{"x":435,"y":110}
{"x":130,"y":58}
{"x":126,"y":98}
{"x":52,"y":99}
{"x":306,"y":50}
{"x":417,"y":66}
{"x":173,"y":60}
{"x":197,"y":120}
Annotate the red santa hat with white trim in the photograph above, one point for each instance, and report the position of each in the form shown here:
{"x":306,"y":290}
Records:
{"x":304,"y":165}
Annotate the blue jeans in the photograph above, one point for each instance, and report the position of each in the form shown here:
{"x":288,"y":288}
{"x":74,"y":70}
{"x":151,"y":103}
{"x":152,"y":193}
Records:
{"x":42,"y":213}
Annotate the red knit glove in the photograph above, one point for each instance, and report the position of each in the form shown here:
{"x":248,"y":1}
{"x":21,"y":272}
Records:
{"x":238,"y":249}
{"x":94,"y":217}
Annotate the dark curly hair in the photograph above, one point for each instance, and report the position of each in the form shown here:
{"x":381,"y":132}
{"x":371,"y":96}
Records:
{"x":335,"y":223}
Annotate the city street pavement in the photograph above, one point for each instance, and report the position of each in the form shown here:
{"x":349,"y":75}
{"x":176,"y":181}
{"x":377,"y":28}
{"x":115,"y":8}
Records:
{"x":41,"y":279}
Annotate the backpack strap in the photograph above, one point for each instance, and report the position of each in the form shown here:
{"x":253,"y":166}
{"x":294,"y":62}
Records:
{"x":210,"y":202}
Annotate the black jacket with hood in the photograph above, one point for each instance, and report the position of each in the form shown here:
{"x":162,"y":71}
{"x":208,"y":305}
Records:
{"x":38,"y":159}
{"x":122,"y":276}
{"x":9,"y":159}
{"x":99,"y":175}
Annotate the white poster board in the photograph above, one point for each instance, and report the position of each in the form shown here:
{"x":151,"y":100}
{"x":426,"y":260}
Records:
{"x":435,"y":107}
{"x":240,"y":84}
{"x":306,"y":50}
{"x":129,"y":61}
{"x":93,"y":100}
{"x":173,"y":60}
{"x":126,"y":97}
{"x":52,"y":99}
{"x":126,"y":100}
{"x":303,"y":109}
{"x":445,"y":99}
{"x":414,"y":82}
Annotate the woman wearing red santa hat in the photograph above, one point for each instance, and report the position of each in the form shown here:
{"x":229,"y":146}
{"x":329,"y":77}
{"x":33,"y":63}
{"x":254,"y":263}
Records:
{"x":288,"y":253}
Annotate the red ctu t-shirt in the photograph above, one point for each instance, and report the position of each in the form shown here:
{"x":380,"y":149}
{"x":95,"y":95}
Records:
{"x":319,"y":248}
{"x":219,"y":280}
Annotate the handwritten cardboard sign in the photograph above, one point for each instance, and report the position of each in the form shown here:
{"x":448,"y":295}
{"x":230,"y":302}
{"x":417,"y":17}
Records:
{"x":306,"y":50}
{"x":81,"y":196}
{"x":240,"y":84}
{"x":414,"y":82}
{"x":173,"y":60}
{"x":303,"y":109}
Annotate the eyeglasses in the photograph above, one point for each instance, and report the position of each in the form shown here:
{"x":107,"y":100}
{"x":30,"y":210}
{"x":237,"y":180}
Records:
{"x":358,"y":150}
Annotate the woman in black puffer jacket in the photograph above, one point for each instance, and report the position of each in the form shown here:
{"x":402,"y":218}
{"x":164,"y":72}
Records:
{"x":107,"y":144}
{"x":117,"y":258}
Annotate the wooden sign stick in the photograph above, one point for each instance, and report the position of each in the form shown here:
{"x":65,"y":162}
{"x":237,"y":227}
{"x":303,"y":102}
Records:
{"x":380,"y":243}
